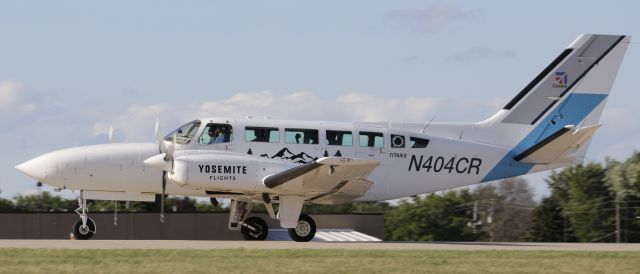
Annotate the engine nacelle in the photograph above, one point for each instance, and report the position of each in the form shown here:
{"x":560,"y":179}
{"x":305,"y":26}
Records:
{"x":224,"y":172}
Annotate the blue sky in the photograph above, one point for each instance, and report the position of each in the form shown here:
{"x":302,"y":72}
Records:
{"x":69,"y":69}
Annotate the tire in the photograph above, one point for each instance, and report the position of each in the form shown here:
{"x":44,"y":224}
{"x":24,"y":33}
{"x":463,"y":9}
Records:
{"x":260,"y":226}
{"x":84,"y":234}
{"x":304,"y":231}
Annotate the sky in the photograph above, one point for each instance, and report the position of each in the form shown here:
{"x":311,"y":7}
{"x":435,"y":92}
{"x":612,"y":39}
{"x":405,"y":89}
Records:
{"x":71,"y":69}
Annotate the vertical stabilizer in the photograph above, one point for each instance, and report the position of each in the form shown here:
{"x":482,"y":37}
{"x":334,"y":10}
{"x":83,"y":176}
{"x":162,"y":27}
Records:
{"x":570,"y":92}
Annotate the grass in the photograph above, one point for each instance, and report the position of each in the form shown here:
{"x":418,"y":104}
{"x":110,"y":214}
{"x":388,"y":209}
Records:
{"x":313,"y":261}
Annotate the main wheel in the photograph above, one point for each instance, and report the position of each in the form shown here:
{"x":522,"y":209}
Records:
{"x":304,"y":231}
{"x":254,"y":229}
{"x":84,"y":233}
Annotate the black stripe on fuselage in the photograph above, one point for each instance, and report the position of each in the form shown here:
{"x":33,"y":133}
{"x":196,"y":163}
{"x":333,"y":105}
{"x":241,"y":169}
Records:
{"x":579,"y":78}
{"x":538,"y":78}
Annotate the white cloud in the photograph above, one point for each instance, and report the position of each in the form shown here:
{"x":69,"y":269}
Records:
{"x":9,"y":93}
{"x":364,"y":107}
{"x":307,"y":105}
{"x":137,"y":122}
{"x":430,"y":19}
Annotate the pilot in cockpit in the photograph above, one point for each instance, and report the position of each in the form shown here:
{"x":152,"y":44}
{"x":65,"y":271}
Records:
{"x":219,"y":135}
{"x":216,"y":135}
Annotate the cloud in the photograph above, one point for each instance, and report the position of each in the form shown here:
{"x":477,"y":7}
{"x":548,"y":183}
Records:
{"x":136,"y":124}
{"x":307,"y":105}
{"x":8,"y":93}
{"x":138,"y":120}
{"x":14,"y":98}
{"x":427,"y":20}
{"x":478,"y":53}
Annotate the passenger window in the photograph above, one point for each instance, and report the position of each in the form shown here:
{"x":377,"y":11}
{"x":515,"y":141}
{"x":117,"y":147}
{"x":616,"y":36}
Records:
{"x":184,"y":133}
{"x":300,"y":136}
{"x":339,"y":138}
{"x":216,"y":134}
{"x":418,"y":142}
{"x":397,"y":141}
{"x":262,"y":134}
{"x":371,"y":139}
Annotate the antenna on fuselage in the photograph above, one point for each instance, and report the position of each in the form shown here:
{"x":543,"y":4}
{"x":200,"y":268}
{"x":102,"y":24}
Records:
{"x":425,"y":127}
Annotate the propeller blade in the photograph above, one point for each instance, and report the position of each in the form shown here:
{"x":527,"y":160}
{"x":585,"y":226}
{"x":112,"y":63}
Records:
{"x":171,"y":148}
{"x":164,"y":186}
{"x":111,"y":134}
{"x":156,"y":131}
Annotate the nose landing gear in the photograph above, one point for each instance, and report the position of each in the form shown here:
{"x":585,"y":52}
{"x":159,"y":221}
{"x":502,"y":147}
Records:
{"x":85,"y":228}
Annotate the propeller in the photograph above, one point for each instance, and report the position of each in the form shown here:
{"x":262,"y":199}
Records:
{"x":163,"y":161}
{"x":111,"y":134}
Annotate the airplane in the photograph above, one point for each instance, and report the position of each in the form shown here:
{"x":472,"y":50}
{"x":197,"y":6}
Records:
{"x":290,"y":163}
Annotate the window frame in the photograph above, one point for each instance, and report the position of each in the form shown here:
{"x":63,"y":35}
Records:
{"x":195,"y":127}
{"x":205,"y":131}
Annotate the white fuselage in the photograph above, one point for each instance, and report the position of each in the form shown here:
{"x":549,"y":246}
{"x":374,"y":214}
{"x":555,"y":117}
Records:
{"x":411,"y":162}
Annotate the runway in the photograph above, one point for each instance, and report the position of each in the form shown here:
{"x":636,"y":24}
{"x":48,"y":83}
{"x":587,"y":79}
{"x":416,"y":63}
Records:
{"x":180,"y":244}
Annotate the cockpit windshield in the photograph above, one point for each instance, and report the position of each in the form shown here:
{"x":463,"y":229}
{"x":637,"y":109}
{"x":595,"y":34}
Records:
{"x":184,"y":133}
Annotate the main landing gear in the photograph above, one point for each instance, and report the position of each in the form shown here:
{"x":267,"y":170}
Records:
{"x":304,"y":231}
{"x":85,"y":228}
{"x":256,"y":229}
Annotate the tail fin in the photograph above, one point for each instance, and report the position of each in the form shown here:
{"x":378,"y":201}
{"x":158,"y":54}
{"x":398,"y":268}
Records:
{"x":569,"y":93}
{"x":588,"y":66}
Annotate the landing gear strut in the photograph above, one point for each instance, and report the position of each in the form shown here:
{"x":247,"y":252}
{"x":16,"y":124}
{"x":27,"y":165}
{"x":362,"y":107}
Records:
{"x":304,"y":231}
{"x":85,"y":228}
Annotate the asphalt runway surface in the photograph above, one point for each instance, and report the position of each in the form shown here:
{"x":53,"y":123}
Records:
{"x":181,"y":244}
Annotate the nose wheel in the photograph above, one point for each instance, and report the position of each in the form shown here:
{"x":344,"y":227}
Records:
{"x":85,"y":228}
{"x":304,"y":231}
{"x":84,"y":232}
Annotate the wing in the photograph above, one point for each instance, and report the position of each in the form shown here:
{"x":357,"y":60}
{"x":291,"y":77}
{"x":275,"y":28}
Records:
{"x":558,"y":147}
{"x":329,"y":180}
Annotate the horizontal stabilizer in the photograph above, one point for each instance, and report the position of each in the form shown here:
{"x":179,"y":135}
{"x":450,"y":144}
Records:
{"x":558,"y":146}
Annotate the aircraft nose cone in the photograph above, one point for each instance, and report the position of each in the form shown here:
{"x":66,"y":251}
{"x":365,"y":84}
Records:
{"x":35,"y":168}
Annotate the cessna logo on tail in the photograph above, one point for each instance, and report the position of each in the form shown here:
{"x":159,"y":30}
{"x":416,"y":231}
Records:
{"x":560,"y":79}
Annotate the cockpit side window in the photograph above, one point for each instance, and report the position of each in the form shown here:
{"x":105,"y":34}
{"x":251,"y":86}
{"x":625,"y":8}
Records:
{"x":262,"y":134}
{"x":216,"y":134}
{"x":184,"y":133}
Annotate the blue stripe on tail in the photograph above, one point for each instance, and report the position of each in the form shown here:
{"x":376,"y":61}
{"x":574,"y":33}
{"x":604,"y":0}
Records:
{"x":572,"y":111}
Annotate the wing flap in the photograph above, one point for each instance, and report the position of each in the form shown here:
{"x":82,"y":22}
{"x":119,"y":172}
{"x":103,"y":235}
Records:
{"x":329,"y":179}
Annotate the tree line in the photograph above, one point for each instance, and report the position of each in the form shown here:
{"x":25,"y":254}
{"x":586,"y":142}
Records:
{"x":590,"y":202}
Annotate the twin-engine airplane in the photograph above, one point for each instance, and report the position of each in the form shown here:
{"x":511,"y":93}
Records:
{"x":547,"y":125}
